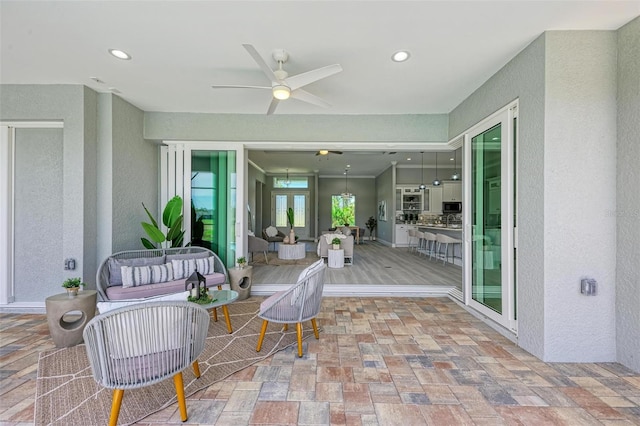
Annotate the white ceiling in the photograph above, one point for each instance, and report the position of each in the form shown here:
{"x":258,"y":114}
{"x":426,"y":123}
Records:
{"x":181,"y":48}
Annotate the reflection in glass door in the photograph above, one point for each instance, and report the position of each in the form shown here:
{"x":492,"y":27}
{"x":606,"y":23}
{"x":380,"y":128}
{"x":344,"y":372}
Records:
{"x":486,"y":281}
{"x":213,"y":202}
{"x":490,"y":277}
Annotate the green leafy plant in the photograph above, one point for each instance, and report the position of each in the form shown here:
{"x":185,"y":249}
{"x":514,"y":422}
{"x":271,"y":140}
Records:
{"x":336,"y":241}
{"x":171,"y":218}
{"x":241,"y":261}
{"x":290,"y":217}
{"x":371,"y":224}
{"x":73,"y":282}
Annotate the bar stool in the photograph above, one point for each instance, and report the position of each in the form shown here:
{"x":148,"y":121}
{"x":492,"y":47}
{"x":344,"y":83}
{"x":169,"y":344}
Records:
{"x":420,"y":242}
{"x":413,"y":239}
{"x":446,"y":240}
{"x":430,"y":243}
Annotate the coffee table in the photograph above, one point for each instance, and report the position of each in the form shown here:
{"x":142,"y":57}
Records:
{"x":291,"y":251}
{"x":223,"y":298}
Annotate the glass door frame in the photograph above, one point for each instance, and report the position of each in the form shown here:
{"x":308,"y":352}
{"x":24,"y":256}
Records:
{"x":175,"y":161}
{"x":505,"y":116}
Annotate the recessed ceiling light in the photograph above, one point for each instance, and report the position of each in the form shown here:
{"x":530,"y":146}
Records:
{"x":408,"y":158}
{"x":120,"y":54}
{"x":451,"y":159}
{"x":400,"y":56}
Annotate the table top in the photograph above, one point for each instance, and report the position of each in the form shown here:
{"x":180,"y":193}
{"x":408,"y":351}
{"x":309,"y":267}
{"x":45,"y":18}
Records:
{"x":65,"y":296}
{"x":223,"y":297}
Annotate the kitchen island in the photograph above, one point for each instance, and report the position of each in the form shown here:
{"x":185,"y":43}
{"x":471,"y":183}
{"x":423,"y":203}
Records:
{"x":455,"y":250}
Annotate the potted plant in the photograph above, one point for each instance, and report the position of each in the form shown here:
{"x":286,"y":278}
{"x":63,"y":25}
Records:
{"x":73,"y":285}
{"x":292,"y":235}
{"x":371,"y":223}
{"x":172,"y":219}
{"x":336,"y":243}
{"x":242,"y":262}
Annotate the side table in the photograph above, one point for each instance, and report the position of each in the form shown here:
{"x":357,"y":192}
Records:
{"x":64,"y":333}
{"x":240,"y":280}
{"x":335,"y":258}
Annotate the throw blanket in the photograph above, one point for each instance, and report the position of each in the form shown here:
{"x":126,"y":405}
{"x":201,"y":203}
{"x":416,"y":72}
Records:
{"x":330,"y":237}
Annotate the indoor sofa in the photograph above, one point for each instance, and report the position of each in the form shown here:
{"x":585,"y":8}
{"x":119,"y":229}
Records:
{"x":137,"y":274}
{"x":346,"y":244}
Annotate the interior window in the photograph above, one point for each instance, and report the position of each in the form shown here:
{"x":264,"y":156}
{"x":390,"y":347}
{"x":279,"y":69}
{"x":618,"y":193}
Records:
{"x":343,"y":210}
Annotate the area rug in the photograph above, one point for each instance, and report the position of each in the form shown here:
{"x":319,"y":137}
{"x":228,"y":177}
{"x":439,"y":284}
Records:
{"x":67,"y":394}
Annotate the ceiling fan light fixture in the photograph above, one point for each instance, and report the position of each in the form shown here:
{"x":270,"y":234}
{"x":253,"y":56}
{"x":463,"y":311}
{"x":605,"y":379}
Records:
{"x":281,"y":92}
{"x":323,"y":152}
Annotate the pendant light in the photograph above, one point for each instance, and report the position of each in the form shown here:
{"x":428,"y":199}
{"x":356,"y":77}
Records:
{"x":346,"y":195}
{"x":422,"y":185}
{"x":436,"y":181}
{"x":455,"y":175}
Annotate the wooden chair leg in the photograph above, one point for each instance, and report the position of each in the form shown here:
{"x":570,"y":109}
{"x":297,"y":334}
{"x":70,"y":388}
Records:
{"x":115,"y":406}
{"x":266,"y":259}
{"x":315,"y":328}
{"x":285,"y":327}
{"x":262,"y":332}
{"x":225,"y":311}
{"x":177,"y":381}
{"x":196,"y":369}
{"x":299,"y":333}
{"x":215,"y":314}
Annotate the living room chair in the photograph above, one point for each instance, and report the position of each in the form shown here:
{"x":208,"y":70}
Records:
{"x":143,"y":344}
{"x":299,"y":303}
{"x":257,"y":245}
{"x":277,"y":238}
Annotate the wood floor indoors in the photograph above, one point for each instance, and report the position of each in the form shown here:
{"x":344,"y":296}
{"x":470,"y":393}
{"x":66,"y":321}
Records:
{"x":379,"y":361}
{"x":374,"y":264}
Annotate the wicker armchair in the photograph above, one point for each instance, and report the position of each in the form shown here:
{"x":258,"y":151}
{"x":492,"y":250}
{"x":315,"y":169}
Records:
{"x":143,"y":344}
{"x":299,"y":303}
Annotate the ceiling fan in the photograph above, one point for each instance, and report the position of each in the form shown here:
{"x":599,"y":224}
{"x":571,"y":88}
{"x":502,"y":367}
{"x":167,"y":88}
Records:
{"x":327,"y":152}
{"x":282,"y":86}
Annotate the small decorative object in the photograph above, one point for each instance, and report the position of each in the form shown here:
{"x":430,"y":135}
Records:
{"x":242,"y":262}
{"x":292,"y":234}
{"x":198,"y":285}
{"x":285,"y":240}
{"x":73,"y":285}
{"x":336,"y":243}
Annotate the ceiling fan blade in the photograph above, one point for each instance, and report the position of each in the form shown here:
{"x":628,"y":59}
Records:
{"x":272,"y":106}
{"x":303,"y":95}
{"x":236,"y":86}
{"x":261,"y":63}
{"x":309,"y":77}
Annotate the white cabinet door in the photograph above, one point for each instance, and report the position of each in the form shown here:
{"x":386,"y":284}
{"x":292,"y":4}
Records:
{"x":402,"y":235}
{"x":435,"y":205}
{"x":452,"y":191}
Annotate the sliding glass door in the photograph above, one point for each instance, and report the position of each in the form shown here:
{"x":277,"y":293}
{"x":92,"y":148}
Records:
{"x":207,"y":180}
{"x":490,"y":277}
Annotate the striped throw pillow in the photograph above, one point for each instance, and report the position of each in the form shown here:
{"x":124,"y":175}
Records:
{"x":183,"y":268}
{"x":205,"y":266}
{"x":134,"y":276}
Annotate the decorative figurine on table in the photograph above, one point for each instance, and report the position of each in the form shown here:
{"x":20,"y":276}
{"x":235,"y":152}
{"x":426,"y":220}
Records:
{"x":198,"y":292}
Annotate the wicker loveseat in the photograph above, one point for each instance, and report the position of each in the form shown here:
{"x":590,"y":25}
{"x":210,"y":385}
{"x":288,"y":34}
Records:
{"x":109,"y":279}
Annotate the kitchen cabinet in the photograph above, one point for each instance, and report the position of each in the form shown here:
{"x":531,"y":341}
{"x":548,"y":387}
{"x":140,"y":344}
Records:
{"x":411,"y":200}
{"x":452,"y":191}
{"x":435,"y":202}
{"x":402,"y":234}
